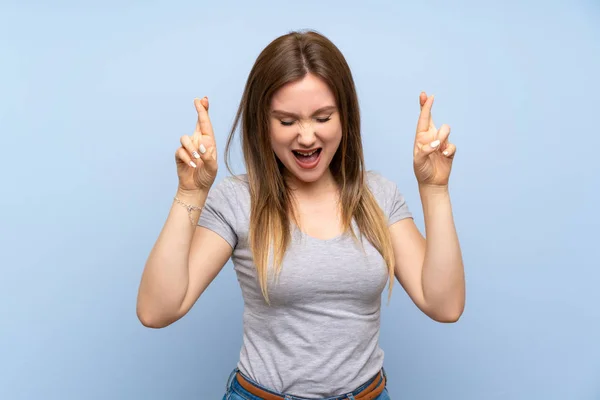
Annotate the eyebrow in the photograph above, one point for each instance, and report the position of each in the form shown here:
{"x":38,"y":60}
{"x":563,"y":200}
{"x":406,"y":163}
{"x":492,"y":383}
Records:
{"x":289,"y":114}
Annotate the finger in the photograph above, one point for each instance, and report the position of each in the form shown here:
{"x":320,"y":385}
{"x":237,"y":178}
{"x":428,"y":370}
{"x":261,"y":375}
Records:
{"x":188,"y":144}
{"x":422,"y":99}
{"x":425,"y":116}
{"x":203,"y":124}
{"x":196,"y":106}
{"x":208,"y":153}
{"x":449,"y":151}
{"x":203,"y":102}
{"x":183,"y":155}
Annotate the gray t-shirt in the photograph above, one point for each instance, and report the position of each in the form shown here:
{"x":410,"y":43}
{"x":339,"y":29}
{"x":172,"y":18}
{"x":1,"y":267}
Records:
{"x":320,"y":335}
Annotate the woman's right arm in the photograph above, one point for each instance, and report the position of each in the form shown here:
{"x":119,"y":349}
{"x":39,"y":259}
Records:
{"x":183,"y":262}
{"x":186,"y":257}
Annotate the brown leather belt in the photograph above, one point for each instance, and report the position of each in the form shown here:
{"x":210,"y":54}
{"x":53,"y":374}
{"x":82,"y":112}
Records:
{"x":369,"y":393}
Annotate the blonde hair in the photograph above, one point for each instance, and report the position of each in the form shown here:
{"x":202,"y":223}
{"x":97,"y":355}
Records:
{"x":287,"y":59}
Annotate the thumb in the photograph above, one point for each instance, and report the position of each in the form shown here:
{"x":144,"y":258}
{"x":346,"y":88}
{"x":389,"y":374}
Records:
{"x":210,"y":161}
{"x":424,"y":150}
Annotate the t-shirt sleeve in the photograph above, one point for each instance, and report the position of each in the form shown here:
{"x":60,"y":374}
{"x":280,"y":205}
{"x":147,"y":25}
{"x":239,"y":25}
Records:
{"x":398,"y":209}
{"x":390,"y":198}
{"x":218,"y":214}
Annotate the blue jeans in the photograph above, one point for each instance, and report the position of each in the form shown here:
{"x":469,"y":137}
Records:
{"x":234,"y":391}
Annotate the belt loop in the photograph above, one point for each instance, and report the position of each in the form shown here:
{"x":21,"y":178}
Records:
{"x":231,"y":375}
{"x":351,"y":397}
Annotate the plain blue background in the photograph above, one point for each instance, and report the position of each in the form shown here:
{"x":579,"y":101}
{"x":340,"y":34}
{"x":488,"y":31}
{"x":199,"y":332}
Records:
{"x":94,"y":98}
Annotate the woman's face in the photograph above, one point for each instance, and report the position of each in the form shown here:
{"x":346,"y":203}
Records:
{"x":305,"y":128}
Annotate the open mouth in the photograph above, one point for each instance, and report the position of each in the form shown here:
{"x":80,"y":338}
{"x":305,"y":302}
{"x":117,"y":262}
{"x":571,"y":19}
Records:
{"x":307,"y":159}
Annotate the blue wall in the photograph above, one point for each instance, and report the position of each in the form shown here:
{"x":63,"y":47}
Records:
{"x":95,"y":97}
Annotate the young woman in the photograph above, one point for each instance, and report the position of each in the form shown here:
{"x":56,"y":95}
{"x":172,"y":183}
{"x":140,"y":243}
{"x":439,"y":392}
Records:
{"x":313,"y":236}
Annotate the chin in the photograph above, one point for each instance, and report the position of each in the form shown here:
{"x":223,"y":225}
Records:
{"x":307,"y":175}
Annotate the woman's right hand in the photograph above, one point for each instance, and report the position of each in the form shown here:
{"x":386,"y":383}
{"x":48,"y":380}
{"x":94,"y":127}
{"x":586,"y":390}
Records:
{"x":196,"y":159}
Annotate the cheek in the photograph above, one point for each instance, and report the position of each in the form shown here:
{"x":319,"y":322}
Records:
{"x":332,"y":134}
{"x":275,"y":134}
{"x":280,"y":139}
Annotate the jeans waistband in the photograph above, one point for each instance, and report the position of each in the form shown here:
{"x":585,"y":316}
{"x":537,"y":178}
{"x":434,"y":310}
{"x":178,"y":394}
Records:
{"x":231,"y":382}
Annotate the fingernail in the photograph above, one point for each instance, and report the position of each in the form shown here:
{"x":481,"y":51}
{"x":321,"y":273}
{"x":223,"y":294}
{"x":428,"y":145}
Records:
{"x":445,"y":152}
{"x":193,"y":164}
{"x":434,"y":144}
{"x":202,"y":149}
{"x":196,"y":155}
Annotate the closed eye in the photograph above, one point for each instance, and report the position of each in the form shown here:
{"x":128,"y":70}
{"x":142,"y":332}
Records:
{"x":290,"y":123}
{"x":323,"y":120}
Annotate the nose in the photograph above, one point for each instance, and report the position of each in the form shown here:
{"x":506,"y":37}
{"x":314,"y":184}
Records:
{"x":307,"y":136}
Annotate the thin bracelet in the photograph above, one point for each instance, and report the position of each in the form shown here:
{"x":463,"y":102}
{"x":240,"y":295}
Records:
{"x":189,"y":207}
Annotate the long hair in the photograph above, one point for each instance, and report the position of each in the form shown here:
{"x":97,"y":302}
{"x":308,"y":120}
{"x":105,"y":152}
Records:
{"x":288,"y":59}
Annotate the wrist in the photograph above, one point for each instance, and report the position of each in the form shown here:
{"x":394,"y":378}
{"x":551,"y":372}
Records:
{"x":194,"y":197}
{"x":429,"y":189}
{"x":193,"y":201}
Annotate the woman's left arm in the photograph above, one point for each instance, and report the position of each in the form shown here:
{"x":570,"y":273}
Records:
{"x":431,"y":270}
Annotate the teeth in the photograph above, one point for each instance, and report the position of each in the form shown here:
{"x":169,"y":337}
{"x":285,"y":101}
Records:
{"x":306,"y":154}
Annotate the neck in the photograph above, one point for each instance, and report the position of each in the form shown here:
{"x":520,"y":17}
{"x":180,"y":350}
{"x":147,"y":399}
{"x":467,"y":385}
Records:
{"x":325,"y":184}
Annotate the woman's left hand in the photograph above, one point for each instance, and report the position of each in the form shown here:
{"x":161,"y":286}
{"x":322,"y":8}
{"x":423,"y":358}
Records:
{"x":433,"y":154}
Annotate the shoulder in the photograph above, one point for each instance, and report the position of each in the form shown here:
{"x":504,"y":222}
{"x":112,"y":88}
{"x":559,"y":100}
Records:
{"x":230,"y":191}
{"x":374,"y":177}
{"x":231,"y":185}
{"x":387,"y":194}
{"x":379,"y":184}
{"x":227,"y":206}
